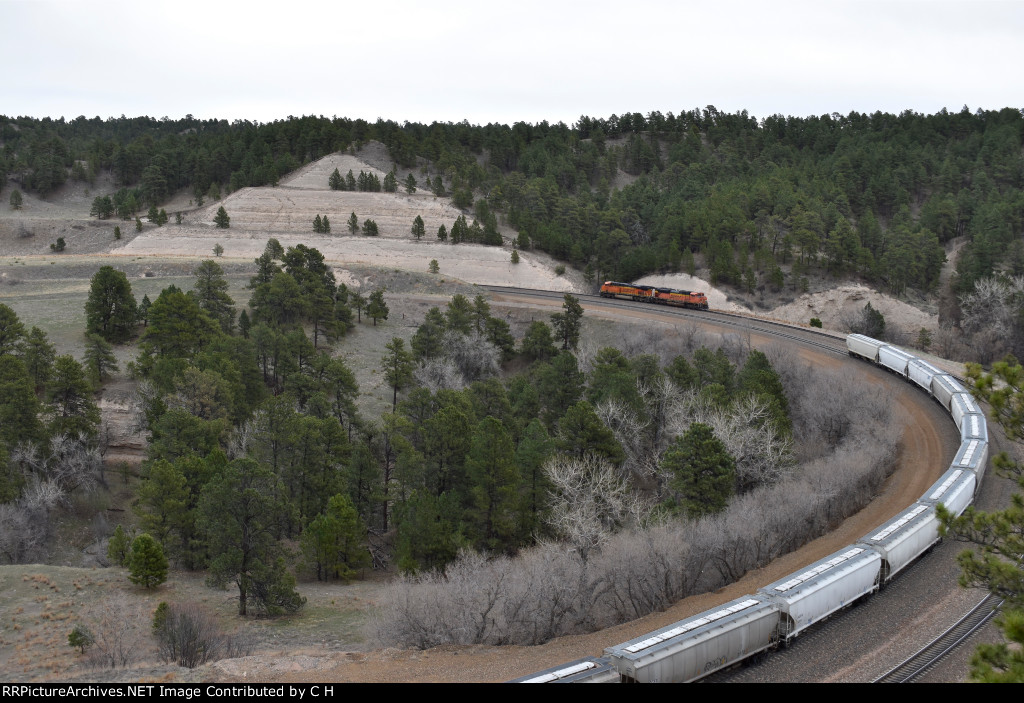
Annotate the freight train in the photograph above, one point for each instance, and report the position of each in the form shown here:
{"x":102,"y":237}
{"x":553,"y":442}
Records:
{"x":652,"y":294}
{"x":755,"y":624}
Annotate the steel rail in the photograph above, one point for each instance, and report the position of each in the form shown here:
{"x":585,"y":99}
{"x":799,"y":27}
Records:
{"x":931,"y":654}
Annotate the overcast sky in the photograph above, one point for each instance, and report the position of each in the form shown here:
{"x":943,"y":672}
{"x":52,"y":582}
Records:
{"x":449,"y":60}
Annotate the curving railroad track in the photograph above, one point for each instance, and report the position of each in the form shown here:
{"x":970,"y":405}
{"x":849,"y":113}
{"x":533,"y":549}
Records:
{"x":857,"y":646}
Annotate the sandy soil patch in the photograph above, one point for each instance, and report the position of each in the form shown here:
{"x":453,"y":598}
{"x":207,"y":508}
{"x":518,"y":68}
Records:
{"x":836,"y":306}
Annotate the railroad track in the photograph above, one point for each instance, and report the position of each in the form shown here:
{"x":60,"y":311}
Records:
{"x":930,"y":655}
{"x":783,"y":330}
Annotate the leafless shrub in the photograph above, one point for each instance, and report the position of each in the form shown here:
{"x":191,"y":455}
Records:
{"x":640,"y":342}
{"x":439,"y":373}
{"x":118,"y":625}
{"x":474,"y":356}
{"x":191,"y":636}
{"x":23,"y":532}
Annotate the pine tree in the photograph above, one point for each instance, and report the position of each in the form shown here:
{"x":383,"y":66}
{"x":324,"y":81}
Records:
{"x":353,"y":224}
{"x":410,"y":184}
{"x":370,"y":228}
{"x":336,"y":182}
{"x":317,"y":225}
{"x":418,"y":228}
{"x":99,"y":358}
{"x":334,"y":543}
{"x":221,"y":219}
{"x":110,"y":309}
{"x":494,"y":493}
{"x":376,"y":307}
{"x":325,"y":225}
{"x":703,"y":471}
{"x":568,"y":323}
{"x":147,"y":564}
{"x":241,"y":511}
{"x":398,"y":366}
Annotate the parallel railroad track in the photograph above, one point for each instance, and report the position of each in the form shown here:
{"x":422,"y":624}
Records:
{"x":930,"y":655}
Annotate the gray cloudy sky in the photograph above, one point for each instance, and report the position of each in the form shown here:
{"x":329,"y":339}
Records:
{"x":532,"y":60}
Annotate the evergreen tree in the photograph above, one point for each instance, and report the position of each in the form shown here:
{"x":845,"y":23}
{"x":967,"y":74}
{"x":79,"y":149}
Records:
{"x":494,"y":493}
{"x":119,"y":547}
{"x":16,"y":199}
{"x":353,"y":224}
{"x":703,"y":472}
{"x":317,"y":226}
{"x":147,"y":564}
{"x":410,"y":184}
{"x":325,"y":225}
{"x":358,"y":301}
{"x":334,"y":543}
{"x":12,"y":331}
{"x":99,"y":358}
{"x":350,"y":181}
{"x":515,"y":256}
{"x":70,"y":397}
{"x":38,"y":355}
{"x":428,"y":531}
{"x":102,"y":207}
{"x":221,"y":219}
{"x":370,"y":228}
{"x":336,"y":182}
{"x":390,"y":182}
{"x":418,"y":228}
{"x":568,"y":323}
{"x":538,"y":344}
{"x":442,"y":234}
{"x":19,"y":406}
{"x":143,"y":311}
{"x":397,"y":365}
{"x":211,"y":292}
{"x":241,"y":512}
{"x":376,"y":307}
{"x":580,"y":431}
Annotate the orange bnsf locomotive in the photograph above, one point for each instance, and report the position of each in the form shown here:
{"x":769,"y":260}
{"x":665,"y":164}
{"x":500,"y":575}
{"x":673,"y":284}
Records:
{"x":651,"y":294}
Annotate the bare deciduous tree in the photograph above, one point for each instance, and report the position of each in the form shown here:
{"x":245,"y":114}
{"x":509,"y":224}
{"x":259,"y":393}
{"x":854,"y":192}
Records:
{"x":589,"y":501}
{"x":473,"y":355}
{"x":439,"y":373}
